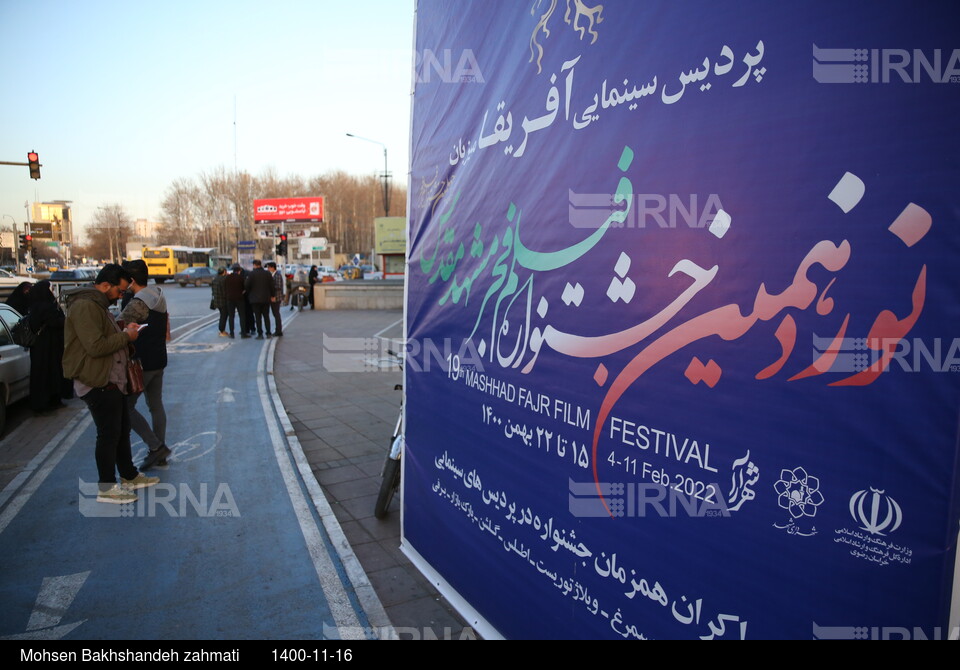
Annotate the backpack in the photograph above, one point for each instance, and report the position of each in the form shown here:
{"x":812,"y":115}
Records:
{"x":23,"y":334}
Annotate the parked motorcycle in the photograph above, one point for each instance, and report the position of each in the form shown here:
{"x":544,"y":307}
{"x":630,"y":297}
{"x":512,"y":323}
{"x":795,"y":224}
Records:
{"x":300,"y":296}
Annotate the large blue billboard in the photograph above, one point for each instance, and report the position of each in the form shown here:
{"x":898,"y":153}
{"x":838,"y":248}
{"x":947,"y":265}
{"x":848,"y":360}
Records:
{"x":683,"y":315}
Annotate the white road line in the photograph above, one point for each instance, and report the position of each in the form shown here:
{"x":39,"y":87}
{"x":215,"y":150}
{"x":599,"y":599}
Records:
{"x":40,"y":467}
{"x":340,"y":607}
{"x":383,"y":330}
{"x":200,"y":326}
{"x":55,"y":597}
{"x":369,"y":600}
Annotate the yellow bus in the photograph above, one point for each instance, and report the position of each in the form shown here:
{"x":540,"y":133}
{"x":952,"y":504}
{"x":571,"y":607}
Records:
{"x":166,"y":261}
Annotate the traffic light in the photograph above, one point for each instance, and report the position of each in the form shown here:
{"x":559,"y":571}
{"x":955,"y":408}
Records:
{"x":282,"y":245}
{"x":34,"y":161}
{"x":29,"y":242}
{"x":23,"y":241}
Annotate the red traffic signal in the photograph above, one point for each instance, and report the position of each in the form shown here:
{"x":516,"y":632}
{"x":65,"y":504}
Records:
{"x":33,"y":159}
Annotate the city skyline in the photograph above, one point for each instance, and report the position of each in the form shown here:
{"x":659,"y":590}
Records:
{"x":131,"y":98}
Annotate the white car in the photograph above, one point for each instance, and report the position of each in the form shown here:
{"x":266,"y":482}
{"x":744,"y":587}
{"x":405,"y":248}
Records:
{"x":327,"y":271}
{"x":14,"y":364}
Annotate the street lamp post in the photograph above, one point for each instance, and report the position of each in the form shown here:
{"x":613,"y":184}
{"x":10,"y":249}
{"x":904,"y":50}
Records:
{"x":386,"y":174}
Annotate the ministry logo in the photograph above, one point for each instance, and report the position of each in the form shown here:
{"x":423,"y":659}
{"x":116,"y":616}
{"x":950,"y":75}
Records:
{"x":877,"y":513}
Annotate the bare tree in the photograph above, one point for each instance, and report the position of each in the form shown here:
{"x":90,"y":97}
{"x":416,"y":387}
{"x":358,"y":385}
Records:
{"x":216,"y":210}
{"x":109,"y":231}
{"x":177,"y":214}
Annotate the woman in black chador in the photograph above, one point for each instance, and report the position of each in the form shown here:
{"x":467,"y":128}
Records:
{"x":19,"y":299}
{"x":47,"y":385}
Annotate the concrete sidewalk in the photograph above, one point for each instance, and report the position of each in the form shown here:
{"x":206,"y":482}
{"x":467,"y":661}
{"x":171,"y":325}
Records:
{"x":343,"y":421}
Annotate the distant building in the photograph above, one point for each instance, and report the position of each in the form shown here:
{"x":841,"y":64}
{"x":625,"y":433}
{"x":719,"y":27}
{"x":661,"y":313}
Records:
{"x":52,"y":225}
{"x":146,"y":230}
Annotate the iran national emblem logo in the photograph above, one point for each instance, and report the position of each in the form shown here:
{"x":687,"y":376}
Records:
{"x":877,"y":513}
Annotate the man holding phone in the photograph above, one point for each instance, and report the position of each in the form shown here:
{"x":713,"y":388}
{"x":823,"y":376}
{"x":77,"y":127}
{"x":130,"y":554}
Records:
{"x":95,"y":358}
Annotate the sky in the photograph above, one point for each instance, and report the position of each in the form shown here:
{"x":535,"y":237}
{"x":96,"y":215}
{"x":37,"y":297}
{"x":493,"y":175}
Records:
{"x":119,"y":99}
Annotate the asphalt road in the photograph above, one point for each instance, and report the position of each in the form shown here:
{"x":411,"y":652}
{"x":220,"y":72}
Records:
{"x":226,"y":547}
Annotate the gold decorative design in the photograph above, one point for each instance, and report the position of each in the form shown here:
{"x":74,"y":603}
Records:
{"x":578,"y":9}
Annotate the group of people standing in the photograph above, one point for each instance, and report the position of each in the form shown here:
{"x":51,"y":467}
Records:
{"x":255,"y":295}
{"x":85,"y":352}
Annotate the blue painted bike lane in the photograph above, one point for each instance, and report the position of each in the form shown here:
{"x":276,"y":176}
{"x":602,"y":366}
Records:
{"x":227,"y":546}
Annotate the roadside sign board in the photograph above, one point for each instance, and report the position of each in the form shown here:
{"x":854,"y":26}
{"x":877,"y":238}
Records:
{"x":288,"y":209}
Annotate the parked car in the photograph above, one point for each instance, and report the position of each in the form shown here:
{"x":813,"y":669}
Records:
{"x":81,"y":275}
{"x":327,"y":273}
{"x":14,"y":364}
{"x":196,"y":276}
{"x":371,"y":272}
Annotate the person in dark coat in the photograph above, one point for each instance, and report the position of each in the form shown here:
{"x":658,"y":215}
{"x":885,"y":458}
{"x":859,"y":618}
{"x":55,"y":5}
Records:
{"x":234,"y":293}
{"x":260,"y":289}
{"x":218,"y":300}
{"x":19,"y":299}
{"x":249,"y":324}
{"x":47,"y":384}
{"x":313,"y":277}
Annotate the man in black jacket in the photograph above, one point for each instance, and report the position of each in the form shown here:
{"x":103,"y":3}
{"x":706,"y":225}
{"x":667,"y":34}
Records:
{"x":313,"y":278}
{"x":260,"y":288}
{"x":236,"y":298}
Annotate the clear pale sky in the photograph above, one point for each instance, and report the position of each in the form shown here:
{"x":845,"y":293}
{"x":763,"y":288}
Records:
{"x":122,"y":98}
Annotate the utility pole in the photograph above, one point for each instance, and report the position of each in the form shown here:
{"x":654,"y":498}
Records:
{"x":385,"y":176}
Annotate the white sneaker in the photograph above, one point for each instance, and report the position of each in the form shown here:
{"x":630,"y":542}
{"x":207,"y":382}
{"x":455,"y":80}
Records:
{"x":138,"y":482}
{"x":117,"y":495}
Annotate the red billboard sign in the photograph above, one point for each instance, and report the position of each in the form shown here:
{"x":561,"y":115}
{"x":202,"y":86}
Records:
{"x":288,"y":209}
